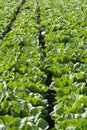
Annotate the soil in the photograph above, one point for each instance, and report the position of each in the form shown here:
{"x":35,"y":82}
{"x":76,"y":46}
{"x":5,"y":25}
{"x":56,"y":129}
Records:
{"x":9,"y":27}
{"x":50,"y":94}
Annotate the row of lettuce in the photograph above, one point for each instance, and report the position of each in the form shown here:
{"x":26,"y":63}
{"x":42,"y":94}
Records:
{"x":22,"y":88}
{"x":65,"y":28}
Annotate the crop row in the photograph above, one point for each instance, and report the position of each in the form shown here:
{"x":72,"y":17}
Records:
{"x":65,"y":28}
{"x":22,"y":88}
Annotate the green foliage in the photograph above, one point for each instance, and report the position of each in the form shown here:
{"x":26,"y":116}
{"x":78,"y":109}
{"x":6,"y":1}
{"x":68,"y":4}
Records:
{"x":24,"y":68}
{"x":65,"y":27}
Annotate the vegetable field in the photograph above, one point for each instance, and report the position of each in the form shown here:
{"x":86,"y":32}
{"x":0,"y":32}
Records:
{"x":43,"y":65}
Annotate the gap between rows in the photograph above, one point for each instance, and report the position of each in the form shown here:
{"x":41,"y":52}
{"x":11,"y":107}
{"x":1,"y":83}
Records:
{"x":50,"y":94}
{"x":9,"y":26}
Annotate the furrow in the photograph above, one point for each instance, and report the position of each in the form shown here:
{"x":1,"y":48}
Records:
{"x":50,"y":94}
{"x":9,"y":27}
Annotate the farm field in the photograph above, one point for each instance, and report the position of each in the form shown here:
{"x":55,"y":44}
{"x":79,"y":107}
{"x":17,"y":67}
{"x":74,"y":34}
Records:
{"x":43,"y":65}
